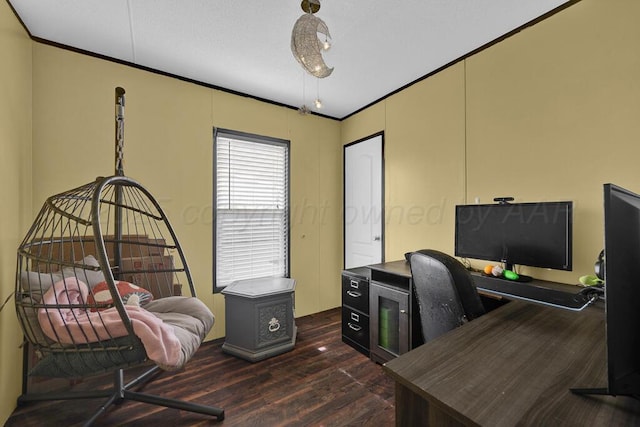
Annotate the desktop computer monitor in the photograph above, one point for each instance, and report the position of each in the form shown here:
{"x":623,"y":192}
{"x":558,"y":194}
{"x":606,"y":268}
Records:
{"x":532,"y":234}
{"x":622,"y":292}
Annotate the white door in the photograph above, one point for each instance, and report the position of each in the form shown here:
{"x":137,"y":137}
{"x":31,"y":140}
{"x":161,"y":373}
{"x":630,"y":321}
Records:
{"x":363,"y":204}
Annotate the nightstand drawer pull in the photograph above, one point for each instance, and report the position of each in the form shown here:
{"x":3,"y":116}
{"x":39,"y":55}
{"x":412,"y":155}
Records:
{"x":274,"y":324}
{"x":356,"y":328}
{"x":354,"y":294}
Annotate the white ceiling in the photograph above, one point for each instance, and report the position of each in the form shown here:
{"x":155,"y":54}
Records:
{"x":379,"y":46}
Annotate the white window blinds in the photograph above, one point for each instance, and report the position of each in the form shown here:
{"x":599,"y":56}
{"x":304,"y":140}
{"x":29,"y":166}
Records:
{"x":252,"y":207}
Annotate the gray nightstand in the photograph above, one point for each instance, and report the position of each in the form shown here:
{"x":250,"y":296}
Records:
{"x":259,"y":318}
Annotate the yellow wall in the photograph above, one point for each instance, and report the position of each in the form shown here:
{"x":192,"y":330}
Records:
{"x":550,"y":113}
{"x":15,"y":191}
{"x":169,"y":149}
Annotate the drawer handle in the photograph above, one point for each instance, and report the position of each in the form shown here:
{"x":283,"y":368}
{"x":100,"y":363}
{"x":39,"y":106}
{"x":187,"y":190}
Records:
{"x":354,"y":294}
{"x":355,"y":317}
{"x":355,"y":284}
{"x":274,"y":324}
{"x":356,"y":328}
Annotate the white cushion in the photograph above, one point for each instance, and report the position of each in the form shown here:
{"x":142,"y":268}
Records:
{"x":32,"y":281}
{"x":88,"y":276}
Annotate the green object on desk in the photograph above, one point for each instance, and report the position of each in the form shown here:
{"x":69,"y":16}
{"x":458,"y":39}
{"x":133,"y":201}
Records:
{"x":508,"y":274}
{"x":590,"y":280}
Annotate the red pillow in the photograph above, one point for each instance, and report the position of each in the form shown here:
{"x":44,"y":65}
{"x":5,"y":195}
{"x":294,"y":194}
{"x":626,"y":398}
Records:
{"x":100,"y":294}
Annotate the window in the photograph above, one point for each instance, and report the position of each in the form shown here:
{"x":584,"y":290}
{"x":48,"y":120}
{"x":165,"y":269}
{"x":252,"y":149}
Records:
{"x":251,"y":215}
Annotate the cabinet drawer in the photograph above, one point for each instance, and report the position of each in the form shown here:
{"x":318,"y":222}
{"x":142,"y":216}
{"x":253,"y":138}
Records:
{"x":355,"y":326}
{"x":355,"y":292}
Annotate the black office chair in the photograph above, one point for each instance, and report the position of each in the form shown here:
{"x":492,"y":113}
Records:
{"x":446,"y":294}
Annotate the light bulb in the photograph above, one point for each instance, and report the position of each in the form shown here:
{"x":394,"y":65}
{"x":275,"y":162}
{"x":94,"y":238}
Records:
{"x":318,"y":103}
{"x":326,"y":45}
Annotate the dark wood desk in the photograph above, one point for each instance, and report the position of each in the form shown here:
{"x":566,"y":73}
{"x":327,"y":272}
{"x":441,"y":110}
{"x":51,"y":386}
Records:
{"x":512,"y":366}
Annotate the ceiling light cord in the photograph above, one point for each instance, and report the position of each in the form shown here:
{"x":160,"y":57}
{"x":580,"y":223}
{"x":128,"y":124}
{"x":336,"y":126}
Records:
{"x":318,"y":102}
{"x":303,"y":110}
{"x":304,"y":98}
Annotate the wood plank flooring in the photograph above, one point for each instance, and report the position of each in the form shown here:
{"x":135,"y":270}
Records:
{"x":322,"y":382}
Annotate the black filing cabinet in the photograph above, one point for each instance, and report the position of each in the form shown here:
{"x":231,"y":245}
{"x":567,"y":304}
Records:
{"x":355,"y":308}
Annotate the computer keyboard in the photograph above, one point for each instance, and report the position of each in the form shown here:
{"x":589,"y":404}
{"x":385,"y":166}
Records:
{"x":530,"y":291}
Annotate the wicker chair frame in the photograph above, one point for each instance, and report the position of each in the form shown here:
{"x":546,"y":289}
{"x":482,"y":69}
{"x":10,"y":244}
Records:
{"x":109,"y":231}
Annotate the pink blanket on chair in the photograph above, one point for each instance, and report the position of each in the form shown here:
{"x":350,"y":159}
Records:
{"x":79,"y":325}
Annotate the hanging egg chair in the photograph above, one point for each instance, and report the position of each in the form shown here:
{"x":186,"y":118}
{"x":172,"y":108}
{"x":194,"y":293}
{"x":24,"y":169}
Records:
{"x":102,"y":284}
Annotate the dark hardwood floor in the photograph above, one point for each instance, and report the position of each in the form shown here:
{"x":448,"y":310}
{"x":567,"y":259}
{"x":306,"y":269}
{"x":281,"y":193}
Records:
{"x":322,"y":382}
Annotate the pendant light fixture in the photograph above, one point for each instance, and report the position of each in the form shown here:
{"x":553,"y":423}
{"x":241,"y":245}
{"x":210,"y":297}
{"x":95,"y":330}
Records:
{"x":306,"y":47}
